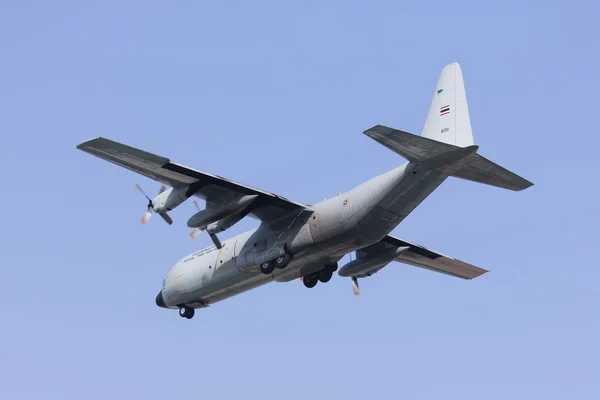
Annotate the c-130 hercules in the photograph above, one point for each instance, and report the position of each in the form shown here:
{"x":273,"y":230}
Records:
{"x":299,"y":241}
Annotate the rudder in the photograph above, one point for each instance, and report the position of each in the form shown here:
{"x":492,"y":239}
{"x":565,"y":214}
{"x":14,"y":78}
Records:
{"x":448,"y":118}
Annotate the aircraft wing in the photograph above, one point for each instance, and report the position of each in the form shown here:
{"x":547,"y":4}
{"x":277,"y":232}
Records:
{"x":378,"y":255}
{"x":268,"y":206}
{"x":421,"y":257}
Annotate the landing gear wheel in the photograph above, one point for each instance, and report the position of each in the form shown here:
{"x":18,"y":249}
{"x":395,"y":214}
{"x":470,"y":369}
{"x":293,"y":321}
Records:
{"x":310,"y":281}
{"x":186,"y":312}
{"x":325,"y":275}
{"x":283,"y":261}
{"x":267,"y":267}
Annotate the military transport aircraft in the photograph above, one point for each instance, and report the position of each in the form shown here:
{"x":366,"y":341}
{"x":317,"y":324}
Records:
{"x":295,"y":240}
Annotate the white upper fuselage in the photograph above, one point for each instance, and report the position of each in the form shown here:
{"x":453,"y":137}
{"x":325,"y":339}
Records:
{"x":334,"y":227}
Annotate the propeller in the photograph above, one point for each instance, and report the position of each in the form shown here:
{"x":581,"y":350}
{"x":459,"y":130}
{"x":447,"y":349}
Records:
{"x":197,"y":231}
{"x":150,"y":209}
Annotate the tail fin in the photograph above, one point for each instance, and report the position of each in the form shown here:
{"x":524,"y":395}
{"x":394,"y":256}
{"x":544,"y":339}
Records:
{"x":448,"y":119}
{"x":446,"y":144}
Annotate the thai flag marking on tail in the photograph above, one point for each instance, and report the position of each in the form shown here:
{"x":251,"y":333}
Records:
{"x":445,"y":110}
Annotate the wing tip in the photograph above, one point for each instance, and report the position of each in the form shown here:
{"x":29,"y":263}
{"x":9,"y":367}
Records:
{"x":86,"y":143}
{"x":524,"y":185}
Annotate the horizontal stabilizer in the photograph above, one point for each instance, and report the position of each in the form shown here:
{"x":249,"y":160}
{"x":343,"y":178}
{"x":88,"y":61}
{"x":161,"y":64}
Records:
{"x":412,"y":147}
{"x":480,"y":169}
{"x":461,"y":162}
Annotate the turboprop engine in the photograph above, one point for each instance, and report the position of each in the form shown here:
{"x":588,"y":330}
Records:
{"x":368,"y":264}
{"x":166,"y":200}
{"x":214,"y":213}
{"x":217,"y":218}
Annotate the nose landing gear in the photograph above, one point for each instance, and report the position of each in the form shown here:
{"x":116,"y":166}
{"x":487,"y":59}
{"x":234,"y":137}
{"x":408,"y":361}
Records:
{"x":186,"y":312}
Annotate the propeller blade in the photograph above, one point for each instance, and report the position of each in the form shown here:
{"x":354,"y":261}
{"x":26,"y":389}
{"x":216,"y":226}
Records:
{"x":215,"y":240}
{"x":147,"y":216}
{"x":195,"y":233}
{"x":166,"y":217}
{"x":196,"y":204}
{"x":138,"y":187}
{"x":162,"y":189}
{"x":355,"y":286}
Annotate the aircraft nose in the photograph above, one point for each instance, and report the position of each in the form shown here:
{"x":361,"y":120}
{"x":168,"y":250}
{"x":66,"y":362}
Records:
{"x":160,"y":301}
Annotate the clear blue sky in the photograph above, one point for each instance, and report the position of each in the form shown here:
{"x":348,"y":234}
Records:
{"x":276,"y":95}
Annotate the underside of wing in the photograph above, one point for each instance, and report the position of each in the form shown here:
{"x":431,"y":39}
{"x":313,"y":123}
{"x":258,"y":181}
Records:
{"x":371,"y":259}
{"x":267,"y":206}
{"x":421,"y":257}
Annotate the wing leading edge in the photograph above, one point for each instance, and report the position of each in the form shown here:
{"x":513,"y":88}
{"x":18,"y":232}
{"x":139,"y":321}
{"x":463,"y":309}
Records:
{"x":267,"y":207}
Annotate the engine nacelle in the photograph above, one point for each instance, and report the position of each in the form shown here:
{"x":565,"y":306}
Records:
{"x":215,"y":213}
{"x":225,"y":223}
{"x":171,"y":198}
{"x":371,"y":263}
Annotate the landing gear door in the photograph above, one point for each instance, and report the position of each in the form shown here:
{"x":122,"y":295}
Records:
{"x":249,"y":260}
{"x":262,"y":251}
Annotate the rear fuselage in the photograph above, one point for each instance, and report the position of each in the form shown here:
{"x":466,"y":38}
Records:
{"x":319,"y":238}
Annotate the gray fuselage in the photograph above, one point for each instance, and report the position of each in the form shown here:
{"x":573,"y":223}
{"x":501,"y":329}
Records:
{"x":316,"y":238}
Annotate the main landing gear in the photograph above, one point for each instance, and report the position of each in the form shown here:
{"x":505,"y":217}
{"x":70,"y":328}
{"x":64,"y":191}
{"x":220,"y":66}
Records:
{"x":280,"y":262}
{"x":324,"y":276}
{"x":186,"y":312}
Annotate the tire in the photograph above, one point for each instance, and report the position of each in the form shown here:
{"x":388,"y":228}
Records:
{"x":267,"y":267}
{"x":325,"y":275}
{"x":191,"y":313}
{"x":310,"y":281}
{"x":183,"y":312}
{"x":283,"y":261}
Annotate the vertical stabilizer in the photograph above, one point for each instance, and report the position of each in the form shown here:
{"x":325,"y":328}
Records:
{"x":448,"y":119}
